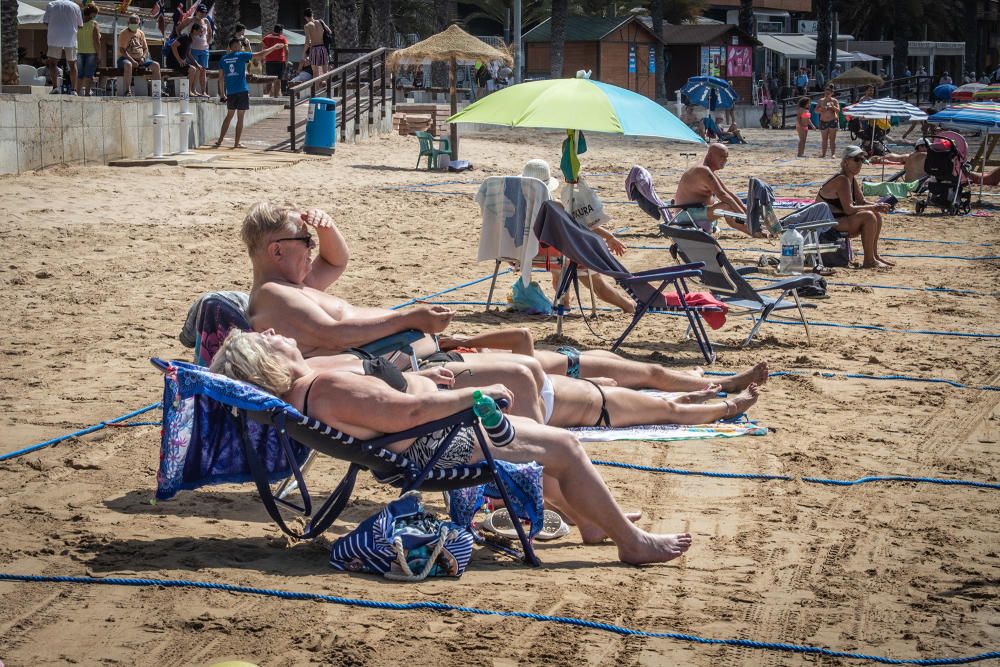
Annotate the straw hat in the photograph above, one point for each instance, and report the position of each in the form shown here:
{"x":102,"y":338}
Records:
{"x":540,"y":169}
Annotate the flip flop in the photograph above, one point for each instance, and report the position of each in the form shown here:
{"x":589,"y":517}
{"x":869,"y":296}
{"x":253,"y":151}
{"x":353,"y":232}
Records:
{"x":499,"y":522}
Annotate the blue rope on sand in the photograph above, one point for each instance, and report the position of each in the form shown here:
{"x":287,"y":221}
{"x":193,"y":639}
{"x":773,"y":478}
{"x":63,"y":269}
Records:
{"x":770,"y":251}
{"x":89,"y":429}
{"x":810,"y":480}
{"x":443,"y":607}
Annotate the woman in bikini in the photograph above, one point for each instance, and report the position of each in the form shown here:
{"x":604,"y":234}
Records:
{"x":803,"y":123}
{"x":829,"y":120}
{"x":367,"y":405}
{"x":853,"y":213}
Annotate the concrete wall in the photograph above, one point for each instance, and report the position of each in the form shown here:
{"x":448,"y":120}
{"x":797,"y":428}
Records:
{"x":42,"y":131}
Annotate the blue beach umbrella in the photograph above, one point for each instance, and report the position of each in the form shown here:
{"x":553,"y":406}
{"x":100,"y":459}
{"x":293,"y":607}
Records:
{"x":710,"y":92}
{"x":944,"y":91}
{"x":972,"y":115}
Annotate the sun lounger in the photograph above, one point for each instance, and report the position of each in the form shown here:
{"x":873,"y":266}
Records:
{"x":219,"y":430}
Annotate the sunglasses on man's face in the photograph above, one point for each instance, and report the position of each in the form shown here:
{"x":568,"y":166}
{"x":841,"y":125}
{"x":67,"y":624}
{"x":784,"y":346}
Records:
{"x":308,"y":240}
{"x":858,"y":158}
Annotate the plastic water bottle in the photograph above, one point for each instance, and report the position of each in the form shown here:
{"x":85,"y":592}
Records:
{"x":791,"y":252}
{"x":497,"y":426}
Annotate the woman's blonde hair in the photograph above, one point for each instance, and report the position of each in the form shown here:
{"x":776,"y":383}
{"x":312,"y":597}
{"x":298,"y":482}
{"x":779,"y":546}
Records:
{"x":247,"y":356}
{"x":262,"y":220}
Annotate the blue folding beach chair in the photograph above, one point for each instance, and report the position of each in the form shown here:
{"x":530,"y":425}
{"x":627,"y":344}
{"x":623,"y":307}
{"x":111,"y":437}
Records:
{"x":217,"y":430}
{"x":584,"y":248}
{"x":727,"y":282}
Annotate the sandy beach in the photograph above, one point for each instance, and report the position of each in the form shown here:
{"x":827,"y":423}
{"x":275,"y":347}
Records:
{"x":101,"y":264}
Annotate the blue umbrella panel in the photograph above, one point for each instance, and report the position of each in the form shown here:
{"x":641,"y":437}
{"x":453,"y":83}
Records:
{"x":710,"y":92}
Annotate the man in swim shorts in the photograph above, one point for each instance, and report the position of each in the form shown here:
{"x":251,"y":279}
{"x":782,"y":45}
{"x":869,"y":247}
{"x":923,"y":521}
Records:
{"x":316,"y":30}
{"x":701,"y":191}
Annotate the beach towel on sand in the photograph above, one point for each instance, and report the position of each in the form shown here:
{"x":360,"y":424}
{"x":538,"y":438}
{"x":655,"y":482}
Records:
{"x":668,"y":432}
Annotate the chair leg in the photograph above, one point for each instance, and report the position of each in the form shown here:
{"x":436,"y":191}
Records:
{"x":288,"y":485}
{"x":802,"y":315}
{"x":489,"y":298}
{"x":757,"y":322}
{"x":639,"y":312}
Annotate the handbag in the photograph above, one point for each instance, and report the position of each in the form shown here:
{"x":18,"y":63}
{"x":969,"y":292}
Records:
{"x":583,"y":203}
{"x":404,"y":543}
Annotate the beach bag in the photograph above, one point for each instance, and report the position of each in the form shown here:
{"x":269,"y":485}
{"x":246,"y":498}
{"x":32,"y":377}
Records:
{"x":583,"y":204}
{"x":842,"y":255}
{"x":530,"y":299}
{"x":404,"y":543}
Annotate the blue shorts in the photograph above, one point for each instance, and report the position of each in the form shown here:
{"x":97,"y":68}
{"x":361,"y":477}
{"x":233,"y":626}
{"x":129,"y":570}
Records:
{"x":86,"y":65}
{"x":145,"y":63}
{"x":200,"y":57}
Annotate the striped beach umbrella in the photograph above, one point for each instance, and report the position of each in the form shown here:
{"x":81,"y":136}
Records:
{"x":885,"y":107}
{"x":965,"y":92}
{"x":975,"y":114}
{"x":990,"y":92}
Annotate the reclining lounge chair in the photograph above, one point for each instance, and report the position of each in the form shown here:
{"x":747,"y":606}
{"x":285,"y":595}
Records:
{"x":727,"y":282}
{"x":219,"y":430}
{"x":584,"y":248}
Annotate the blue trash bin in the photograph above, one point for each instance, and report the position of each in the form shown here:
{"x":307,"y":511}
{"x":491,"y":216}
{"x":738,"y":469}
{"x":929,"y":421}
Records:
{"x":321,"y":126}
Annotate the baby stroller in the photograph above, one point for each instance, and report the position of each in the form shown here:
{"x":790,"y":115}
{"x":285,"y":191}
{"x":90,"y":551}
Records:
{"x":769,"y":117}
{"x":948,"y":167}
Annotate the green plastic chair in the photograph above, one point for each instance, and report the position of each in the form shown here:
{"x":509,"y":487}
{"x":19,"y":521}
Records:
{"x":427,"y":148}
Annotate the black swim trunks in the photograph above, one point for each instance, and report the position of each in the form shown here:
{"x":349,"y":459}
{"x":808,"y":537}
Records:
{"x":572,"y":360}
{"x":829,"y":124}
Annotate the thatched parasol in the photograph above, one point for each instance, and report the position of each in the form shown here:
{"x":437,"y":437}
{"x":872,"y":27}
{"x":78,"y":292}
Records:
{"x":857,"y":77}
{"x":449,"y":46}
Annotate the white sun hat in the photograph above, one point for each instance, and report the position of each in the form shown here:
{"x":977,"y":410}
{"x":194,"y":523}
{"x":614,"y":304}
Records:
{"x":540,"y":169}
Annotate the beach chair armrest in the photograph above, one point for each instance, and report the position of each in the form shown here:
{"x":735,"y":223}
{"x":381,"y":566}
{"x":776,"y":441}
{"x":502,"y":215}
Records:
{"x":815,"y":226}
{"x":662,"y":274}
{"x":679,"y":267}
{"x":393,"y":343}
{"x":746,"y":270}
{"x":794,"y":282}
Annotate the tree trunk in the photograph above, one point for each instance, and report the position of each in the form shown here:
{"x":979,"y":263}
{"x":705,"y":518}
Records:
{"x":900,"y":37}
{"x":656,"y":13}
{"x":746,"y":21}
{"x":439,"y":70}
{"x":973,"y":61}
{"x":227,"y":15}
{"x":560,"y":9}
{"x":8,"y":26}
{"x":345,"y":22}
{"x":379,"y":19}
{"x":268,"y":15}
{"x":824,"y":35}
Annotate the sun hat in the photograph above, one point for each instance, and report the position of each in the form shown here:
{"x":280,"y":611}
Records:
{"x":923,"y":141}
{"x":540,"y":169}
{"x":853,"y":152}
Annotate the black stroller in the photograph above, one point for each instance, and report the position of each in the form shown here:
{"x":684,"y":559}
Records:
{"x":948,"y":167}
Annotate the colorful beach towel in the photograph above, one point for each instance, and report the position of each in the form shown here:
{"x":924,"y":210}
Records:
{"x":668,"y":432}
{"x":899,"y":189}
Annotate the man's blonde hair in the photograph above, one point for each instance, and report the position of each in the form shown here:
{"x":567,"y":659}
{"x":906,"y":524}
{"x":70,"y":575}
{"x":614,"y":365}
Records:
{"x":247,"y":356}
{"x":262,"y":220}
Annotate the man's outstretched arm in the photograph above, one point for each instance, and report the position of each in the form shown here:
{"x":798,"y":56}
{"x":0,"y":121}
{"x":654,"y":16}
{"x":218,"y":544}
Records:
{"x":331,"y":262}
{"x":291,"y":313}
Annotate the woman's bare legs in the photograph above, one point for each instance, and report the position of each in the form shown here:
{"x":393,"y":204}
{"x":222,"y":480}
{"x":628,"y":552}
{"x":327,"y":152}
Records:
{"x":878,"y":235}
{"x":584,"y":491}
{"x":865,"y":225}
{"x":607,"y":293}
{"x":578,"y":403}
{"x":590,"y":533}
{"x":642,"y":375}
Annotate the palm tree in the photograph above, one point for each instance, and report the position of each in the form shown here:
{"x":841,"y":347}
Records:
{"x":227,"y":15}
{"x":746,"y":21}
{"x":380,"y":23}
{"x":900,"y":37}
{"x":345,"y":21}
{"x":8,"y":35}
{"x":824,"y":29}
{"x":532,"y":12}
{"x":268,"y":15}
{"x":560,"y":8}
{"x":682,"y":11}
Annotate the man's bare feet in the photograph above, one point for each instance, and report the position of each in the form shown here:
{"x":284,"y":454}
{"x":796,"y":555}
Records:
{"x":694,"y":397}
{"x":651,"y":548}
{"x":744,"y":400}
{"x":756,"y":375}
{"x":238,"y":146}
{"x":591,"y":534}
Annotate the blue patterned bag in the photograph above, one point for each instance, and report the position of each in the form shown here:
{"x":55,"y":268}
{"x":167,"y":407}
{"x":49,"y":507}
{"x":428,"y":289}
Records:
{"x":404,"y":543}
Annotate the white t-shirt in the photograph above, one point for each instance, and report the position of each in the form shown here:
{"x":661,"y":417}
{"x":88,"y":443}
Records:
{"x":64,"y":19}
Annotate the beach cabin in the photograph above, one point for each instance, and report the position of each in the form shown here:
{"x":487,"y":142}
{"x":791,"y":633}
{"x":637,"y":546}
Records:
{"x":617,"y":50}
{"x":721,"y":50}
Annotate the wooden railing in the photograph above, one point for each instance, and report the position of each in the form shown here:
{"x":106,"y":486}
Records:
{"x":342,"y":83}
{"x":917,"y":90}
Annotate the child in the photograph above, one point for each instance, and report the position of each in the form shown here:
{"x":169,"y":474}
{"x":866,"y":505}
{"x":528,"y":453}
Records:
{"x":803,"y":123}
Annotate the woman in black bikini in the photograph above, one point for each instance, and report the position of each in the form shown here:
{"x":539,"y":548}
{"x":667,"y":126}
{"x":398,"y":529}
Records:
{"x":853,"y":213}
{"x":366,"y":406}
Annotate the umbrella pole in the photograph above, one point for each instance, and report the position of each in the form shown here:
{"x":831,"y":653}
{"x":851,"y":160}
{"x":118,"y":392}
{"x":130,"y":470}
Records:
{"x":452,"y":75}
{"x":873,"y":146}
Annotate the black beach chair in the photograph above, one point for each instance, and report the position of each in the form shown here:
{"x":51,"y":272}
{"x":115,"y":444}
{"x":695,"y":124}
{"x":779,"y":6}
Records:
{"x":219,"y":430}
{"x":582,"y":247}
{"x":727,"y":282}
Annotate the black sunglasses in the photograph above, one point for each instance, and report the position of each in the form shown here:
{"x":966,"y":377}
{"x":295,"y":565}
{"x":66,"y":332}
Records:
{"x":308,"y":240}
{"x":858,"y":158}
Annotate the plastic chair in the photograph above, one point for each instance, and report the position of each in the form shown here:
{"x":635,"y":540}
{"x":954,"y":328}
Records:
{"x":427,"y":148}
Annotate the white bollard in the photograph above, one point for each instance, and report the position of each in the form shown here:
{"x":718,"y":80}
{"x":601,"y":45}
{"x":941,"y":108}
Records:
{"x":158,"y":119}
{"x":185,"y":115}
{"x":679,"y":105}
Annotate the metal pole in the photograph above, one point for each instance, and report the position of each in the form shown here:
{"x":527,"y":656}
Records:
{"x":185,"y":115}
{"x":518,"y":58}
{"x":158,"y":118}
{"x":452,"y":75}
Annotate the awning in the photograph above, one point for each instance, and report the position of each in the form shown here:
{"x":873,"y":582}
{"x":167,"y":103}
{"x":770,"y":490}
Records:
{"x":857,"y":57}
{"x":804,"y":47}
